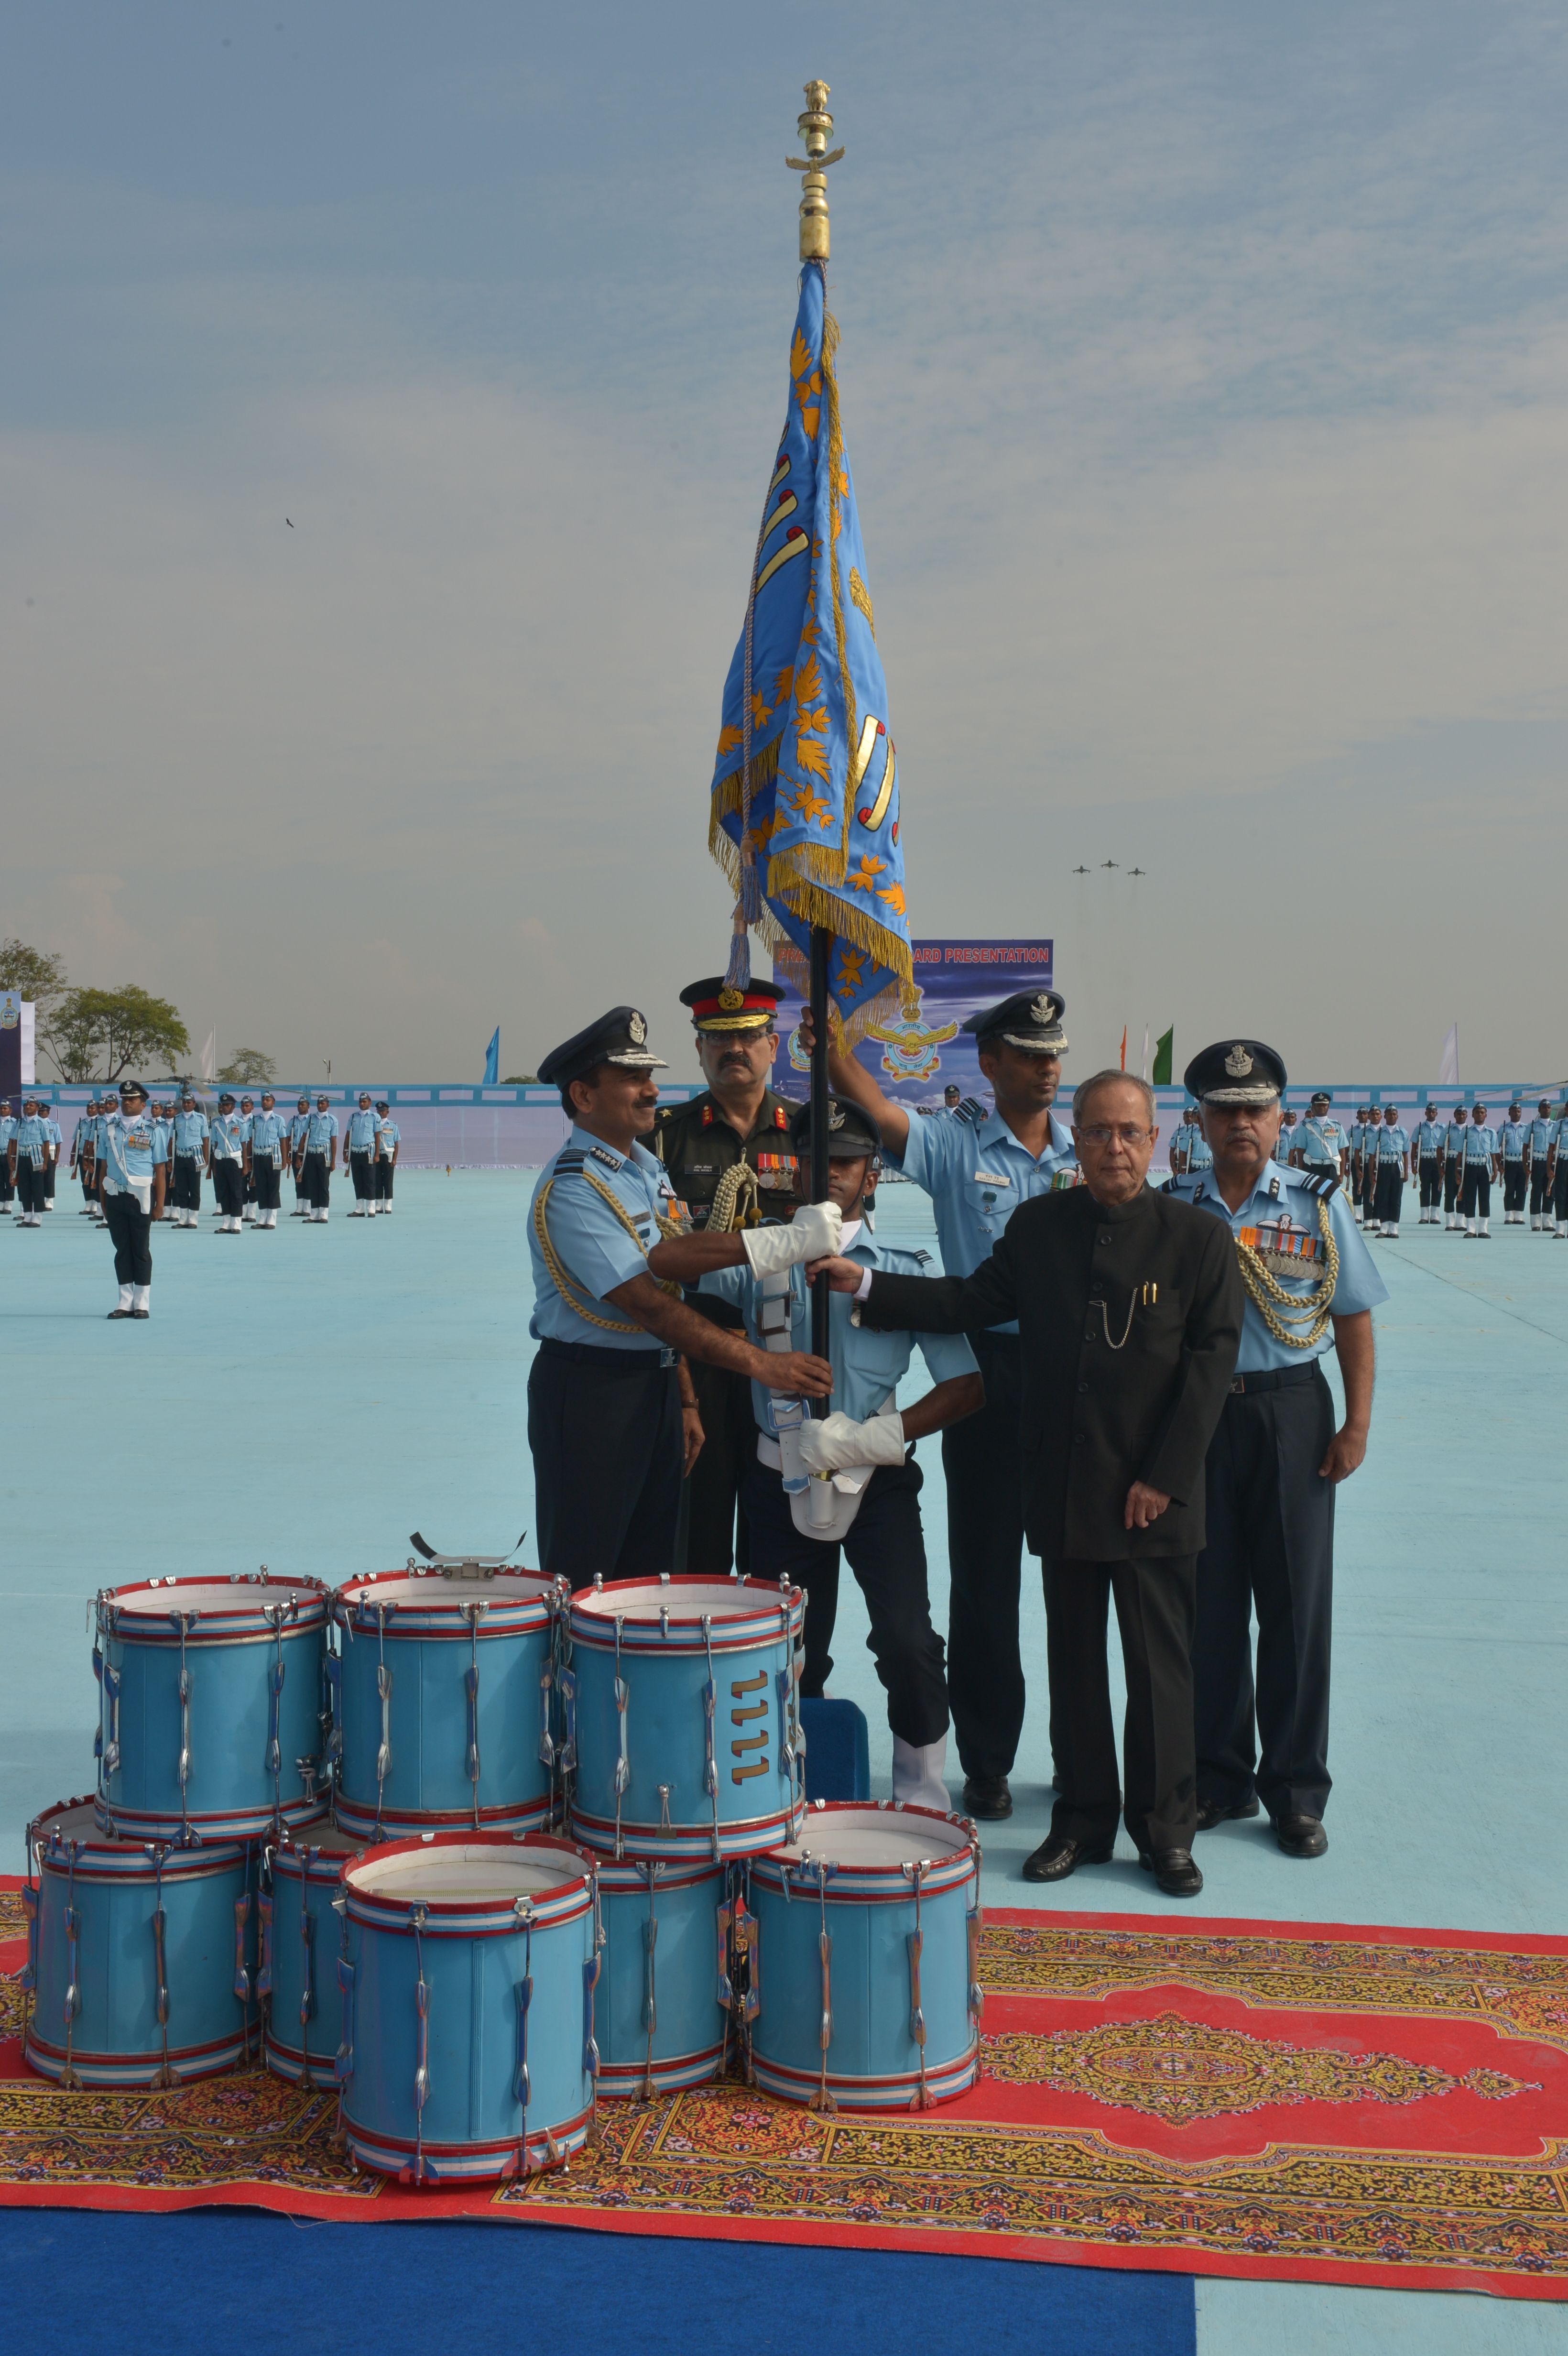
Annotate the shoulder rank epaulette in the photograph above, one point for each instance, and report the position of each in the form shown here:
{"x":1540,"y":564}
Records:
{"x":1311,"y":1183}
{"x":781,"y":1117}
{"x":603,"y":1154}
{"x":663,"y":1113}
{"x":571,"y":1156}
{"x":708,"y":1116}
{"x":971,"y":1110}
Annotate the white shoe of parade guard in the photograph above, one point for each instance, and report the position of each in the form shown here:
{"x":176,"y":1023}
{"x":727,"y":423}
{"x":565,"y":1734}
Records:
{"x":917,"y":1775}
{"x":815,"y":1233}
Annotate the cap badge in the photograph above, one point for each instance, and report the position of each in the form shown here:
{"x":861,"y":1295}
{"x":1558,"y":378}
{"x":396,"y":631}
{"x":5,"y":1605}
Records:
{"x":638,"y":1029}
{"x":1238,"y":1063}
{"x":1043,"y":1011}
{"x":835,"y":1114}
{"x":729,"y":999}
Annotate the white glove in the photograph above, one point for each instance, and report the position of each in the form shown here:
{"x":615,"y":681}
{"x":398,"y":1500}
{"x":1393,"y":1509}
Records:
{"x":815,"y":1233}
{"x":839,"y":1442}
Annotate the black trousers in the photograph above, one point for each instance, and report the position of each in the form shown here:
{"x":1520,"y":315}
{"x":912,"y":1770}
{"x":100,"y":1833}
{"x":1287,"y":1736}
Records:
{"x":1476,"y":1193}
{"x":251,"y":1184}
{"x":1450,"y":1183}
{"x":359,"y":1170}
{"x":187,"y":1181}
{"x":1513,"y":1186}
{"x":384,"y":1169}
{"x":228,"y":1188}
{"x":31,"y":1190}
{"x":131,"y":1233}
{"x":1369,"y":1184}
{"x":1389,"y":1192}
{"x":1559,"y":1186}
{"x":1155,"y":1611}
{"x":6,"y":1189}
{"x":1538,"y":1185}
{"x":886,"y":1549}
{"x":1431,"y":1170}
{"x":87,"y":1171}
{"x":302,"y":1191}
{"x":1270,"y":1547}
{"x":983,"y":1465}
{"x":714,"y":1533}
{"x":604,"y":1432}
{"x":316,"y":1182}
{"x":49,"y":1168}
{"x":266,"y":1184}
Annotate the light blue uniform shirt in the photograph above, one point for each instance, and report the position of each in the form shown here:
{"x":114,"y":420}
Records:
{"x":590,"y":1242}
{"x":321,"y":1132}
{"x":131,"y":1150}
{"x":298,"y":1124}
{"x":228,"y":1134}
{"x":191,"y":1131}
{"x":361,"y":1131}
{"x":1510,"y":1140}
{"x":7,"y":1129}
{"x":1320,"y":1138}
{"x":1480,"y":1143}
{"x":1539,"y":1134}
{"x":266,"y":1136}
{"x":388,"y":1136}
{"x":1429,"y":1137}
{"x":56,"y":1139}
{"x":1188,"y":1138}
{"x":1455,"y":1132}
{"x":866,"y":1366}
{"x":977,"y":1174}
{"x":32,"y":1139}
{"x":1292,"y":1194}
{"x":1394,"y":1139}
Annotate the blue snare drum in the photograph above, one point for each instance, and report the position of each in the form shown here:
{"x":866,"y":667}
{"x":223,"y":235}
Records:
{"x":443,"y":1702}
{"x":686,"y":1716}
{"x":302,"y":1937}
{"x":209,"y":1705}
{"x":867,"y":1929}
{"x":139,"y":1955}
{"x":659,"y":2020}
{"x":468,"y":2006}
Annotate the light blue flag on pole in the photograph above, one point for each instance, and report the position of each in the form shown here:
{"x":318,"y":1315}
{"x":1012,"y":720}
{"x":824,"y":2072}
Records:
{"x":493,"y":1059}
{"x":805,"y":798}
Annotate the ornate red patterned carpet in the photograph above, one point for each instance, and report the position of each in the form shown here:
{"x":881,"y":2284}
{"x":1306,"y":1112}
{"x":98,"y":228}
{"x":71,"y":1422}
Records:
{"x":1310,"y":2102}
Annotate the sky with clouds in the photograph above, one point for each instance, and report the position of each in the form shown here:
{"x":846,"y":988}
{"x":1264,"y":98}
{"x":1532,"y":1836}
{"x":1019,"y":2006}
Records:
{"x":1205,"y":376}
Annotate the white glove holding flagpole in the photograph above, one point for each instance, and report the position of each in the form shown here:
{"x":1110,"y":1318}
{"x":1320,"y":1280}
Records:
{"x":815,"y":1233}
{"x":839,"y":1443}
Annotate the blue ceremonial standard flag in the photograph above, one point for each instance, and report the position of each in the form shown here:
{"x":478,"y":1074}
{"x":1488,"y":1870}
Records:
{"x":804,"y":814}
{"x":493,"y":1059}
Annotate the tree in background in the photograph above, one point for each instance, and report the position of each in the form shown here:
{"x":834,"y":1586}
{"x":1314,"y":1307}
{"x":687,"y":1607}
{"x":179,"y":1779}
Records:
{"x":520,"y":1081}
{"x":248,"y":1069}
{"x":100,"y":1033}
{"x":38,"y":974}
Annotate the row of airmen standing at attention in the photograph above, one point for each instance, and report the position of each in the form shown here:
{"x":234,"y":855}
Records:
{"x":671,"y":1249}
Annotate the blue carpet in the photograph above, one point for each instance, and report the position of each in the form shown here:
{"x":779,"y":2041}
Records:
{"x":225,"y":2279}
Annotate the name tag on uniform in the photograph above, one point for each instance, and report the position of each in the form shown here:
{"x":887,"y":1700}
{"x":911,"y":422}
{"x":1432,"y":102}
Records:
{"x":991,"y":1178}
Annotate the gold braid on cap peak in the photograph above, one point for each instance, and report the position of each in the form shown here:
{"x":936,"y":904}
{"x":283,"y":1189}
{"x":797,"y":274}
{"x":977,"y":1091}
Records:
{"x":1281,"y":1308}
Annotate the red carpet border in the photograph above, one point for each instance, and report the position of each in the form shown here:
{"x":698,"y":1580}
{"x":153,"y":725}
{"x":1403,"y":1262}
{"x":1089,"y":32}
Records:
{"x":1307,"y":2103}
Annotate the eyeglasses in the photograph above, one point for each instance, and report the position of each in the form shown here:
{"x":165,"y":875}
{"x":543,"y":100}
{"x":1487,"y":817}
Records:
{"x":1126,"y":1134}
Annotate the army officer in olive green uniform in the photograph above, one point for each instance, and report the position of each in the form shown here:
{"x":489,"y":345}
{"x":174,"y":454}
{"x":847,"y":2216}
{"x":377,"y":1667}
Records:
{"x":729,"y":1159}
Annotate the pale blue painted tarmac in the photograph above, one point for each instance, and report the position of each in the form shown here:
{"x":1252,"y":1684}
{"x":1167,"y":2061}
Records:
{"x":306,"y":1397}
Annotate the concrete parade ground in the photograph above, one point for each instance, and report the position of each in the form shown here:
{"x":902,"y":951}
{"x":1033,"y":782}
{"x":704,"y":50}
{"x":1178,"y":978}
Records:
{"x":305,"y":1397}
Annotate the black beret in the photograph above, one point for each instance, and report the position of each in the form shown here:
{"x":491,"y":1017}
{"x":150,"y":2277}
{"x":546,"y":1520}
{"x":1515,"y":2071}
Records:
{"x":851,"y":1131}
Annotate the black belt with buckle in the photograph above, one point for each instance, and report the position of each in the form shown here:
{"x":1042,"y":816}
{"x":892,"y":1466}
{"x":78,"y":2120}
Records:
{"x":1277,"y":1379}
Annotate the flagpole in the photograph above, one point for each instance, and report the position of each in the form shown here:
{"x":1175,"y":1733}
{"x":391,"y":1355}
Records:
{"x":814,"y":125}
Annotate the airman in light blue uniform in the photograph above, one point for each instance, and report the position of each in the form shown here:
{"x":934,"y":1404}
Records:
{"x":320,"y":1157}
{"x":1538,"y":1163}
{"x":134,"y":1170}
{"x":1319,"y":1144}
{"x":299,"y":1123}
{"x":266,"y":1144}
{"x":7,"y":1131}
{"x":388,"y":1138}
{"x":359,"y":1151}
{"x":1390,"y":1146}
{"x":1426,"y":1163}
{"x":227,"y":1143}
{"x":1513,"y":1156}
{"x":1479,"y":1152}
{"x":28,"y":1155}
{"x":1455,"y":1134}
{"x":56,"y":1141}
{"x":192,"y":1153}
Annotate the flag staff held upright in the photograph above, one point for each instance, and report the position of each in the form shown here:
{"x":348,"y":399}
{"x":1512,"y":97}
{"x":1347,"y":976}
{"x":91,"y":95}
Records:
{"x":814,"y":127}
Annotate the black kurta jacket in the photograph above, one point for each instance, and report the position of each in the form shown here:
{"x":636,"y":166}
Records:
{"x":1096,"y":1419}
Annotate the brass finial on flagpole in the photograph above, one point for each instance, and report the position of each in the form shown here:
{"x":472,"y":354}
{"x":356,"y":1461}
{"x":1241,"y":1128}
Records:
{"x":814,"y":126}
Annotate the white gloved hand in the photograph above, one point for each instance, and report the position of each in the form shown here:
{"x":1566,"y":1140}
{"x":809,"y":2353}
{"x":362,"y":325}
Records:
{"x":838,"y":1442}
{"x":815,"y":1233}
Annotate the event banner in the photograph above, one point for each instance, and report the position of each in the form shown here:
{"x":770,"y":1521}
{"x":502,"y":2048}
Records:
{"x":917,"y":1061}
{"x":16,"y":1045}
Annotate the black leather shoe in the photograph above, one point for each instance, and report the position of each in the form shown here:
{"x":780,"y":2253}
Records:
{"x":1060,"y":1854}
{"x":1300,"y":1835}
{"x":1218,"y":1812}
{"x":118,"y":1313}
{"x":140,"y":1312}
{"x":1173,"y":1870}
{"x":988,"y":1797}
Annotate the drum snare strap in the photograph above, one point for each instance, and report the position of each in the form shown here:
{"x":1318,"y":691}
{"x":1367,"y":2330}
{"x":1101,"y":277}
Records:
{"x":524,"y":1910}
{"x":915,"y":1940}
